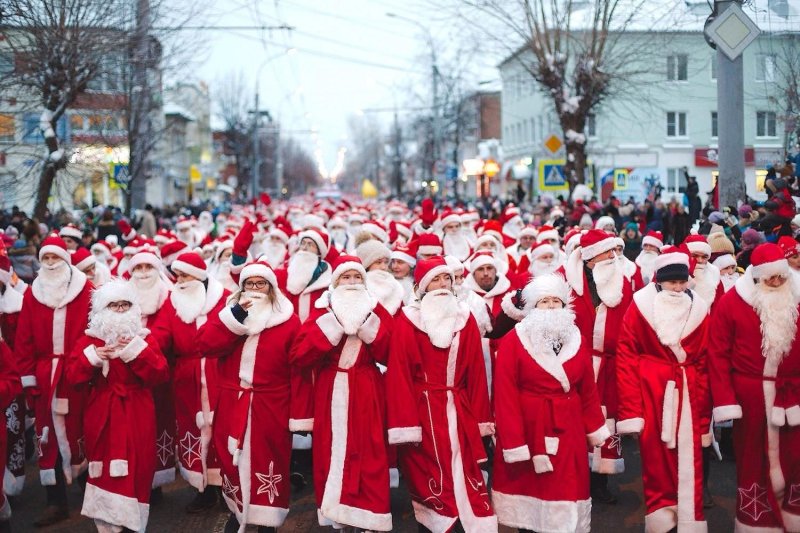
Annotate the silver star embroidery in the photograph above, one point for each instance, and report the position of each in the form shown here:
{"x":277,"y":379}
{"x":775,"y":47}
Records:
{"x":230,"y":490}
{"x":38,"y":444}
{"x":754,"y":501}
{"x":269,"y":483}
{"x":794,"y":494}
{"x":615,"y":443}
{"x":191,"y":449}
{"x":164,"y":447}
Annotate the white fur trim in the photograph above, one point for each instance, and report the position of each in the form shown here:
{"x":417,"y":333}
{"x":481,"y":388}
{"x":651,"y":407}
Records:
{"x":518,"y":454}
{"x":767,"y":270}
{"x":510,"y":309}
{"x":133,"y":349}
{"x":405,"y":435}
{"x":699,"y":247}
{"x":669,"y":415}
{"x":53,"y":249}
{"x":599,"y":436}
{"x":652,"y":241}
{"x":431,"y":519}
{"x":429,"y":250}
{"x":186,"y":268}
{"x":542,"y":464}
{"x":738,"y":527}
{"x":28,"y":381}
{"x":527,"y":512}
{"x":724,"y":413}
{"x":793,"y":415}
{"x":592,"y":251}
{"x":545,"y":357}
{"x":402,"y":256}
{"x":778,"y":416}
{"x":630,"y":425}
{"x":114,"y":508}
{"x":230,"y":322}
{"x":645,"y":297}
{"x":574,"y":273}
{"x":266,"y":515}
{"x":346,"y":266}
{"x":95,"y":469}
{"x":118,"y":468}
{"x":394,"y":478}
{"x":551,"y":445}
{"x":251,"y":270}
{"x":74,"y":288}
{"x":163,"y":477}
{"x":47,"y":477}
{"x":791,"y":521}
{"x":432,"y":273}
{"x":369,"y":329}
{"x":331,"y":328}
{"x":486,"y":428}
{"x":301,"y":424}
{"x":91,"y":355}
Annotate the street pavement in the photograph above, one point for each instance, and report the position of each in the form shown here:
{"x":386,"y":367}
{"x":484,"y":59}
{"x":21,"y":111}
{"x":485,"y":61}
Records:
{"x":169,"y":514}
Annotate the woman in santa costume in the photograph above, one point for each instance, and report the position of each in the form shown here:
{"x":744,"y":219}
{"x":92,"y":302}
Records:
{"x":754,"y":366}
{"x":10,"y":389}
{"x":152,"y":288}
{"x":54,"y":314}
{"x":547,"y":409}
{"x":194,"y":298}
{"x":438,"y":405}
{"x":351,"y":472}
{"x":664,"y":394}
{"x":117,"y":362}
{"x":261,"y":400}
{"x":401,"y":264}
{"x":375,"y":257}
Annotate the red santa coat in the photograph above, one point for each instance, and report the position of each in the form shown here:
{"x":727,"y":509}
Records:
{"x":14,"y":478}
{"x":448,"y":388}
{"x":194,"y":386}
{"x":304,"y":301}
{"x":119,"y":426}
{"x":351,"y":470}
{"x":763,"y":400}
{"x":546,"y":407}
{"x":10,"y":388}
{"x":664,"y":395}
{"x":260,"y":402}
{"x":602,"y":326}
{"x":44,"y":337}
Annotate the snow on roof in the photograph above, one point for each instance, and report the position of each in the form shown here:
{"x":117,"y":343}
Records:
{"x":175,"y":109}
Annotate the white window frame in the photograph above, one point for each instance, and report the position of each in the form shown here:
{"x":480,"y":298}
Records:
{"x":766,"y":133}
{"x":590,"y":130}
{"x":714,"y":120}
{"x":677,"y":116}
{"x":674,"y":61}
{"x":673,"y":186}
{"x":765,"y":67}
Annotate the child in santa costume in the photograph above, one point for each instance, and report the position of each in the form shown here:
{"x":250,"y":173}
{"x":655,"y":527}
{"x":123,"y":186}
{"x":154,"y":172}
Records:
{"x":350,"y":335}
{"x":664,"y":395}
{"x":754,"y":366}
{"x":55,"y":311}
{"x":547,"y":409}
{"x":438,"y":405}
{"x":118,"y":362}
{"x":194,"y":298}
{"x":261,"y":400}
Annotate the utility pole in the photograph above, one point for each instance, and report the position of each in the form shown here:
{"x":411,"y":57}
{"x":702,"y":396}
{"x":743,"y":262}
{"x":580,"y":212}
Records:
{"x":396,"y":160}
{"x":256,"y":174}
{"x":435,"y":90}
{"x":141,"y":101}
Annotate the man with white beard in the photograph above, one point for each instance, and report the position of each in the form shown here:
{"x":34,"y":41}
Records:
{"x":651,"y":247}
{"x":454,"y":241}
{"x":705,"y":280}
{"x":601,"y":295}
{"x":84,"y":261}
{"x":54,"y":314}
{"x":438,"y":405}
{"x":512,"y":221}
{"x":118,"y":361}
{"x":401,"y":264}
{"x":102,"y":251}
{"x":380,"y":282}
{"x":754,"y":366}
{"x":542,"y":260}
{"x":726,"y":263}
{"x":468,"y":222}
{"x":152,"y":289}
{"x":308,"y":275}
{"x":186,"y":233}
{"x":477,"y":305}
{"x":194,"y":297}
{"x":525,"y":242}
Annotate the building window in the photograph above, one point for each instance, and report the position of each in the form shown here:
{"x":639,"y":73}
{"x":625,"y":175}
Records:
{"x":6,"y":64}
{"x":676,"y":124}
{"x":676,"y":181}
{"x":678,"y":67}
{"x":31,"y":132}
{"x":714,"y":66}
{"x":765,"y":124}
{"x":540,"y":121}
{"x":590,"y":130}
{"x":533,"y":130}
{"x":765,"y":67}
{"x":8,"y":128}
{"x":714,"y":127}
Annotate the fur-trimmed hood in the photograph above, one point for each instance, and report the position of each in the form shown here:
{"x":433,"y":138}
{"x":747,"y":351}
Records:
{"x":501,"y":287}
{"x":745,"y":286}
{"x":76,"y":284}
{"x":645,"y":299}
{"x":544,"y":355}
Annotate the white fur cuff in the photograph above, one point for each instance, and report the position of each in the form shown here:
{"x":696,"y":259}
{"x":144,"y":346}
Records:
{"x":118,"y":468}
{"x":727,"y":412}
{"x":486,"y":428}
{"x":518,"y":454}
{"x":28,"y":381}
{"x":793,"y":415}
{"x":230,"y":322}
{"x":510,"y":309}
{"x":778,"y":416}
{"x":405,"y":435}
{"x":302,"y":424}
{"x":631,"y":425}
{"x":92,"y":357}
{"x":542,"y":464}
{"x":133,"y":349}
{"x":331,"y":328}
{"x":369,"y":329}
{"x":599,"y":436}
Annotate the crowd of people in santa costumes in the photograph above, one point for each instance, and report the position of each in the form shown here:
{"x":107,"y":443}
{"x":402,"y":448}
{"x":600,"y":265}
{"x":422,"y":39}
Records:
{"x":496,"y":363}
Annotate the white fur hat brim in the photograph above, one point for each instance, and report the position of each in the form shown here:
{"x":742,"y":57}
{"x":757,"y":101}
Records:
{"x":543,"y":286}
{"x":57,"y":250}
{"x":346,"y":267}
{"x":592,"y":251}
{"x":71,"y":232}
{"x":86,"y":263}
{"x":724,"y":261}
{"x":482,"y":260}
{"x":257,"y":270}
{"x":429,"y":250}
{"x":318,"y":240}
{"x":547,"y":235}
{"x":428,"y":277}
{"x":773,"y":268}
{"x":699,"y":248}
{"x":186,"y":268}
{"x":542,"y":249}
{"x":112,"y":291}
{"x":652,"y":241}
{"x":144,"y":258}
{"x":402,"y":256}
{"x":375,"y":230}
{"x":452,"y":218}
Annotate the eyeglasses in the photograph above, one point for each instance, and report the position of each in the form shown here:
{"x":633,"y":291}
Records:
{"x":255,"y":284}
{"x":119,"y":306}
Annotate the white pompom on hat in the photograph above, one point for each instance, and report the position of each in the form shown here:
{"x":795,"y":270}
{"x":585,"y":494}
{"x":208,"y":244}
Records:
{"x":547,"y":285}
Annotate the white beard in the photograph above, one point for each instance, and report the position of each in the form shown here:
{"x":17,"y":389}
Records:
{"x":408,"y":288}
{"x":188,"y":298}
{"x":544,"y":328}
{"x":439,"y":313}
{"x":647,"y":262}
{"x":149,"y":288}
{"x":457,"y":245}
{"x":110,"y":326}
{"x":275,"y":254}
{"x":339,"y":237}
{"x":54,"y":281}
{"x":608,"y":278}
{"x":471,"y":236}
{"x":385,"y":289}
{"x":223,"y":275}
{"x":123,"y":265}
{"x":259,"y":313}
{"x":513,"y":230}
{"x":540,"y":268}
{"x":705,"y":281}
{"x":477,"y":305}
{"x":777,"y":309}
{"x":670,"y":313}
{"x":729,"y":280}
{"x":351,"y":305}
{"x":300,"y":271}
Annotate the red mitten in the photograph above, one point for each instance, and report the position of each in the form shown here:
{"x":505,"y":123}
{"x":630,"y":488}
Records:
{"x":128,"y":233}
{"x":244,"y":239}
{"x":265,"y":199}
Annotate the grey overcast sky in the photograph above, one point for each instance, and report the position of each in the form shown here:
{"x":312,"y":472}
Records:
{"x":348,"y":56}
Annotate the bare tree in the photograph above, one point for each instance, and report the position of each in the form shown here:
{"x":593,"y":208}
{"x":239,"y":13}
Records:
{"x":230,"y":100}
{"x":299,"y":168}
{"x":787,"y":86}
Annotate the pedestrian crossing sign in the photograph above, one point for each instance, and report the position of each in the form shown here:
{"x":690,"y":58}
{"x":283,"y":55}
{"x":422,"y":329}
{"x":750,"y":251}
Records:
{"x":551,"y":175}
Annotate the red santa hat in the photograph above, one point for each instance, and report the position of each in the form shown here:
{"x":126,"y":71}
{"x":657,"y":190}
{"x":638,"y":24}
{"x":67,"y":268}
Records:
{"x":540,"y":249}
{"x":455,"y":265}
{"x":374,"y":228}
{"x":102,"y":248}
{"x":83,"y":259}
{"x":113,"y":291}
{"x":697,"y":244}
{"x":427,"y":269}
{"x":144,"y":258}
{"x":789,"y":246}
{"x":163,"y":237}
{"x":370,"y":251}
{"x":605,"y":221}
{"x":72,"y":231}
{"x":543,"y":286}
{"x":258,"y":269}
{"x":547,"y":233}
{"x":595,"y":242}
{"x":653,"y":238}
{"x":184,"y":223}
{"x":221,"y":246}
{"x":768,"y":260}
{"x":171,"y":251}
{"x":509,"y":213}
{"x":493,"y":228}
{"x":429,"y":243}
{"x":429,"y":213}
{"x":671,"y":266}
{"x":528,"y":231}
{"x":191,"y":263}
{"x":54,"y":244}
{"x":450,"y":217}
{"x":482,"y":258}
{"x":724,"y":261}
{"x":5,"y":269}
{"x":405,"y":253}
{"x":345,"y":263}
{"x":320,"y":238}
{"x":132,"y":247}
